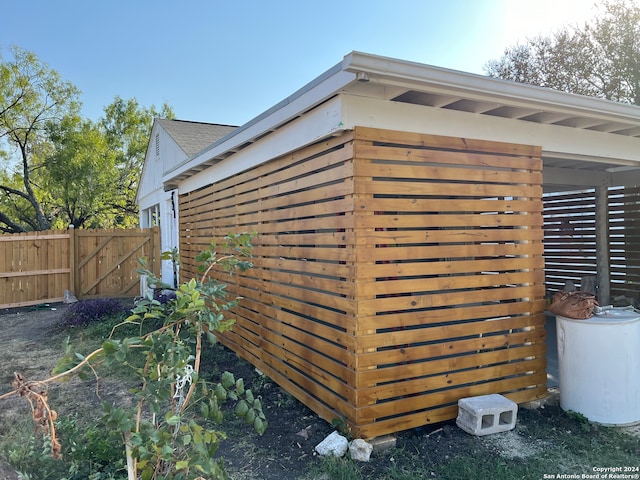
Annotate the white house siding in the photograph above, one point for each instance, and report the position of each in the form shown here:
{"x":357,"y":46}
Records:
{"x":156,"y":205}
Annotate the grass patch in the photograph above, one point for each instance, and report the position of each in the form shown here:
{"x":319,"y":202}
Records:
{"x":545,"y":441}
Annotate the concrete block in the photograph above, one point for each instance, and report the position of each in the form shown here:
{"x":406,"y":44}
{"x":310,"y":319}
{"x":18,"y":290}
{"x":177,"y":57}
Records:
{"x":486,"y":414}
{"x":383,"y":443}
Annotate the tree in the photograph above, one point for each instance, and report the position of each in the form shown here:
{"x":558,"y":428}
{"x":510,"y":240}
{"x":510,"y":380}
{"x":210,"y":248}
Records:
{"x":127,"y":127}
{"x":93,"y":173}
{"x":32,"y":96}
{"x":61,"y":169}
{"x":599,"y":59}
{"x":79,"y":176}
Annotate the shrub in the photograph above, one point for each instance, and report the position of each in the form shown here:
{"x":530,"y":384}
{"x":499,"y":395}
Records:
{"x":85,"y":312}
{"x":170,"y":432}
{"x":89,"y":452}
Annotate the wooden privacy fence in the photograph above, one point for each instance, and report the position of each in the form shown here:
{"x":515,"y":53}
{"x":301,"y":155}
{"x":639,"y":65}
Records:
{"x":395,"y":273}
{"x":37,"y":267}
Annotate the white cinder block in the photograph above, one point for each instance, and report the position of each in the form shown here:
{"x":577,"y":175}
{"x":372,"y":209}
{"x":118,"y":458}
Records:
{"x":486,"y":414}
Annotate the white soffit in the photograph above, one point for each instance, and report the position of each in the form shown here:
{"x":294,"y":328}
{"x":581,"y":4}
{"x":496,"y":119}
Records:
{"x":510,"y":99}
{"x":480,"y":98}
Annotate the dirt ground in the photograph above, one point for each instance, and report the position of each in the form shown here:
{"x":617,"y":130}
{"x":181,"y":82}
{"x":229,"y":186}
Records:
{"x":24,"y":348}
{"x":286,"y":450}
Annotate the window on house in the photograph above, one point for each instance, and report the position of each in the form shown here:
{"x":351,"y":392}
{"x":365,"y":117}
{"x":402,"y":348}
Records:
{"x":157,"y":144}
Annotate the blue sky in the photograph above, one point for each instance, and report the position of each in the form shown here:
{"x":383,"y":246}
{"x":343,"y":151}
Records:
{"x":228,"y":61}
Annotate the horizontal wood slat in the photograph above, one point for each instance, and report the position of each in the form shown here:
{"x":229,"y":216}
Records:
{"x":394,"y":273}
{"x":624,"y":238}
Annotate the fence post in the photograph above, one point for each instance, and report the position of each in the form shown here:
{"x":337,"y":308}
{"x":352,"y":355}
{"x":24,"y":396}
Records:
{"x":73,"y":274}
{"x":156,"y":251}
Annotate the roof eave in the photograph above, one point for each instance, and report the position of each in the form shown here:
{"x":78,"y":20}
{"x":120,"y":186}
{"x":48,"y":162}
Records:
{"x":436,"y":79}
{"x":317,"y":91}
{"x":404,"y":74}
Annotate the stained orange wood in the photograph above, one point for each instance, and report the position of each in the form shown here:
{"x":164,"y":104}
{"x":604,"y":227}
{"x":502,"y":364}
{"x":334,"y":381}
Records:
{"x":441,"y":284}
{"x":39,"y":266}
{"x":394,"y":273}
{"x":445,"y":252}
{"x":450,"y":313}
{"x":453,"y":363}
{"x":445,"y":220}
{"x":399,"y":270}
{"x":444,"y":157}
{"x":440,"y":173}
{"x":423,"y":331}
{"x":273,"y":367}
{"x":447,"y":380}
{"x":455,"y":346}
{"x":436,"y":206}
{"x":462,"y":190}
{"x":411,"y":139}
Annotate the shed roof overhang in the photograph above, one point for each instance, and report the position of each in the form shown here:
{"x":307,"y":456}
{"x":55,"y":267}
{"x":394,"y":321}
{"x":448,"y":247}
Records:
{"x":586,"y":141}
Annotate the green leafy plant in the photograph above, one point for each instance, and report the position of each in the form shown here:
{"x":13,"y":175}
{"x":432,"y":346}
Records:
{"x":88,"y":452}
{"x":171,"y":431}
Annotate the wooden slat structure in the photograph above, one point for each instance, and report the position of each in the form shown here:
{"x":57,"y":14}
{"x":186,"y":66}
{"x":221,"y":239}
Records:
{"x":394,"y":273}
{"x":37,"y":267}
{"x":571,"y":239}
{"x":624,"y":241}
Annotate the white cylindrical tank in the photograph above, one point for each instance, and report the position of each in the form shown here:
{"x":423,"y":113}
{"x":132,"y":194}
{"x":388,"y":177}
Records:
{"x":599,"y":366}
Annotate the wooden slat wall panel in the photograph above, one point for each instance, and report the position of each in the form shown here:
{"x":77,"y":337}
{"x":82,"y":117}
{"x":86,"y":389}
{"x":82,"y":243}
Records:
{"x":394,"y":273}
{"x":450,"y":276}
{"x":624,"y":247}
{"x":569,"y":238}
{"x":296,"y":321}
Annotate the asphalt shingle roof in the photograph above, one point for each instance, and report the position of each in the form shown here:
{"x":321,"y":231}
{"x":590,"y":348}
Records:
{"x":193,"y":137}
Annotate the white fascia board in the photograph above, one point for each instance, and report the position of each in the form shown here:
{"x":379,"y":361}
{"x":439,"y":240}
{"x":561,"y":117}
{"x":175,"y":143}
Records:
{"x":318,"y":124}
{"x":150,"y":198}
{"x":153,"y":198}
{"x":478,"y":87}
{"x":316,"y":92}
{"x":555,"y":140}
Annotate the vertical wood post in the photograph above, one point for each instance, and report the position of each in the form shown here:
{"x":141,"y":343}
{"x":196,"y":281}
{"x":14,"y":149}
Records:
{"x":156,"y":251}
{"x":73,"y":273}
{"x":602,"y":245}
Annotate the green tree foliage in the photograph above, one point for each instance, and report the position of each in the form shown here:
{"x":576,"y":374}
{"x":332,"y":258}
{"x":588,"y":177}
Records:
{"x":600,"y":58}
{"x":127,"y":126}
{"x":79,"y":176}
{"x":32,"y":97}
{"x":61,"y":169}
